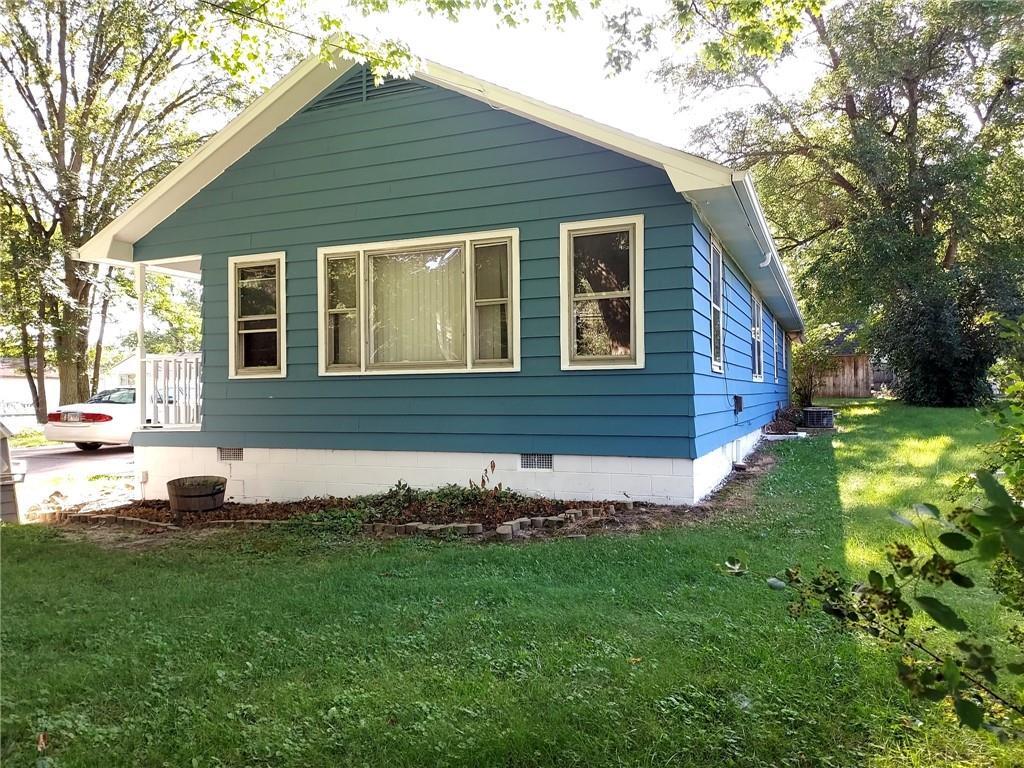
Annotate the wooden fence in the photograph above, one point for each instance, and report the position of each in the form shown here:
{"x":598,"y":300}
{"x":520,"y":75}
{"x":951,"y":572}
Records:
{"x":851,"y":379}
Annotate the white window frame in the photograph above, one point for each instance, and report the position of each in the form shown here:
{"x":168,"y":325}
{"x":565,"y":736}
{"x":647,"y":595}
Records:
{"x":775,"y":349}
{"x":363,"y":251}
{"x":756,"y":336}
{"x":636,"y":281}
{"x":717,"y":366}
{"x":251,"y":260}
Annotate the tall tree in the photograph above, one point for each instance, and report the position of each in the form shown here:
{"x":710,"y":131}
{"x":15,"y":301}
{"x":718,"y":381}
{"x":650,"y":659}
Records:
{"x":96,"y":107}
{"x":23,"y":326}
{"x":887,"y":183}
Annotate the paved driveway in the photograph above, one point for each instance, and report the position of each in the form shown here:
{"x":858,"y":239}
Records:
{"x":68,"y":460}
{"x":72,"y":472}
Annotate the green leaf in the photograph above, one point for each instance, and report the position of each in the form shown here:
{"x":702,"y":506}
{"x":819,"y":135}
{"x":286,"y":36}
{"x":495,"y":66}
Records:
{"x":970,"y":714}
{"x":961,"y":579}
{"x":942,"y":614}
{"x":1014,"y":543}
{"x":1015,"y":668}
{"x":955,"y":541}
{"x":875,"y":579}
{"x":951,"y":672}
{"x":983,"y":521}
{"x":994,"y":492}
{"x":989,"y":546}
{"x":775,"y":583}
{"x":927,"y":510}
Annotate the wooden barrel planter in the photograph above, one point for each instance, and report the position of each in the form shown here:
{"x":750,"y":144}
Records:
{"x":201,"y":493}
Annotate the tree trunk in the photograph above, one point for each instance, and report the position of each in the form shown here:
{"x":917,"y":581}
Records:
{"x":952,"y":245}
{"x":71,"y":338}
{"x":98,"y":355}
{"x":41,"y":406}
{"x":26,"y":360}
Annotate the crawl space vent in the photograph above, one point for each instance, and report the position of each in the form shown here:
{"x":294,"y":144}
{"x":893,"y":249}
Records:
{"x":230,"y":454}
{"x":535,"y":461}
{"x":360,"y":87}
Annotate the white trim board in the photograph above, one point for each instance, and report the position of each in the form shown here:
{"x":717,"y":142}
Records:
{"x":725,"y":198}
{"x":468,"y":240}
{"x":566,"y":230}
{"x":282,"y":312}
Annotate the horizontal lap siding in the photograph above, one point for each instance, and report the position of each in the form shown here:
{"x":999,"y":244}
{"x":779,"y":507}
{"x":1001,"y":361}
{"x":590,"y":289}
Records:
{"x":423,"y":164}
{"x":715,"y":422}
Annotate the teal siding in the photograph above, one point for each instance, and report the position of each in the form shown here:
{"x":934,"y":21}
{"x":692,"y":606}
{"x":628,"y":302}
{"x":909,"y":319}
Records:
{"x":427,"y":163}
{"x":715,"y":422}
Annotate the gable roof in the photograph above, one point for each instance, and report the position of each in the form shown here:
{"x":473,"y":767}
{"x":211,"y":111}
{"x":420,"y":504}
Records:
{"x":725,"y":199}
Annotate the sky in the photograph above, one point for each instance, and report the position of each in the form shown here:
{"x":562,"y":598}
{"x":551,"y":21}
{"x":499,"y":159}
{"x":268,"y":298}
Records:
{"x":566,"y":68}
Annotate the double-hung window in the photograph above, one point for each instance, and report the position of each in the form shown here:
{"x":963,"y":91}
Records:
{"x":602,"y":312}
{"x":756,"y":337}
{"x":717,"y":300}
{"x":441,"y":304}
{"x":256,"y":311}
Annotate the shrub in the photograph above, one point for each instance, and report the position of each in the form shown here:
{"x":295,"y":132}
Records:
{"x":813,"y":360}
{"x":937,"y":344}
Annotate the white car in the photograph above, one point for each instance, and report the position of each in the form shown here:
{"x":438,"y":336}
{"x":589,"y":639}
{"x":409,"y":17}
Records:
{"x":107,"y":418}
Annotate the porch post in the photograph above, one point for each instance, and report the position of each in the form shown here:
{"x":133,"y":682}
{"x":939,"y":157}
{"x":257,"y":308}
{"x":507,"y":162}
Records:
{"x":140,"y":377}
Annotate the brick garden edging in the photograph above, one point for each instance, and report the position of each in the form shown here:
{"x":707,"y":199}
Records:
{"x":504,"y":531}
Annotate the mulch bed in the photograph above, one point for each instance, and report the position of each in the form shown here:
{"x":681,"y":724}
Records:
{"x":489,"y":509}
{"x":490,"y":514}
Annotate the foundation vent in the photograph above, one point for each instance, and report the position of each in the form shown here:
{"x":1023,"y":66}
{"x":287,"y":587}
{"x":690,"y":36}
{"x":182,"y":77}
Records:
{"x":230,"y":454}
{"x":535,"y":461}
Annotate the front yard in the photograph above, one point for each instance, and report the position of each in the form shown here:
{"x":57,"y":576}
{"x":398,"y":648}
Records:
{"x":292,"y":647}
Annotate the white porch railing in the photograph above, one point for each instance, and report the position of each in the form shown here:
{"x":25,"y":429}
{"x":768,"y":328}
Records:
{"x":171,"y":390}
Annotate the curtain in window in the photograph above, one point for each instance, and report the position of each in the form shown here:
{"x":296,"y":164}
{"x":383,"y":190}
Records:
{"x":418,"y":306}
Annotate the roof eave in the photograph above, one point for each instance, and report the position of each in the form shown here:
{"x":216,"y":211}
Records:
{"x":689,"y":174}
{"x":743,"y":183}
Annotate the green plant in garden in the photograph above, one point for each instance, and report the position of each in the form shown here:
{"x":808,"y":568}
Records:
{"x":813,"y":360}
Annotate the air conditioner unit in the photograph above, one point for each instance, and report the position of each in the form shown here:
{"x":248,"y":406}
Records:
{"x":819,"y":418}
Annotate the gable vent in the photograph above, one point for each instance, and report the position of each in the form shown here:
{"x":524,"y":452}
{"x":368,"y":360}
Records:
{"x":230,"y":454}
{"x":360,"y":87}
{"x":535,"y":461}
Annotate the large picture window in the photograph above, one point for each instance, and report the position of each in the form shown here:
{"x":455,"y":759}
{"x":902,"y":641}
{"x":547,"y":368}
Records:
{"x":444,"y":304}
{"x":756,"y":337}
{"x":602,"y":293}
{"x":717,"y":315}
{"x":255,"y":306}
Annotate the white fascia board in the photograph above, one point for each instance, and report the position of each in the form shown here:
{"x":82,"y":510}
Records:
{"x":687,"y":172}
{"x":743,"y":183}
{"x":257,"y":121}
{"x":300,"y":86}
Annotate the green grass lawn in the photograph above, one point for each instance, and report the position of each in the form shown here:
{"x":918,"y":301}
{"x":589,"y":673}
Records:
{"x":278,"y":648}
{"x":30,"y":438}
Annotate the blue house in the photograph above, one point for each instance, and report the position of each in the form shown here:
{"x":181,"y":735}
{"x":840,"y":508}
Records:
{"x":416,"y":278}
